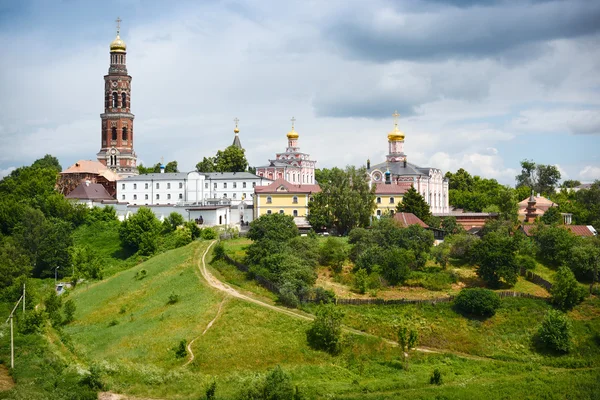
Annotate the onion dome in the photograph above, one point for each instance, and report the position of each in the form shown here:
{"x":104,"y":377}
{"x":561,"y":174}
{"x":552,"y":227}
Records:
{"x":236,"y":130}
{"x":293,"y":134}
{"x":118,"y":45}
{"x":396,"y":134}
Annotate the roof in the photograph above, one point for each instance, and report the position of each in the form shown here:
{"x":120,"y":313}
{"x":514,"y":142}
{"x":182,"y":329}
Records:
{"x":398,"y":168}
{"x":91,"y":167}
{"x":236,"y":142}
{"x":577,"y":230}
{"x":466,"y":214}
{"x":393,"y":188}
{"x":283,"y":186}
{"x":231,"y":175}
{"x":408,"y":219}
{"x":166,"y":176}
{"x":540,"y":202}
{"x":89,"y":191}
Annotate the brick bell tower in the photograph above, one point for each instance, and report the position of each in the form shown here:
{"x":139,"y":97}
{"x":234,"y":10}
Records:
{"x":116,"y":150}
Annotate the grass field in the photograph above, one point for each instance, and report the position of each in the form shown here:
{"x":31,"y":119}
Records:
{"x":124,"y":326}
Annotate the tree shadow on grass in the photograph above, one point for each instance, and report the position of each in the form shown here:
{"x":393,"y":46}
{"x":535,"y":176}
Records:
{"x":123,"y":253}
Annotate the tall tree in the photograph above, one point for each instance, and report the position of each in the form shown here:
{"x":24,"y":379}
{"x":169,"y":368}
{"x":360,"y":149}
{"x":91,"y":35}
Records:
{"x":495,"y":255}
{"x":206,"y":165}
{"x":413,"y":202}
{"x":232,"y":159}
{"x":155,"y":169}
{"x":345,"y":201}
{"x":47,"y":161}
{"x":541,"y":178}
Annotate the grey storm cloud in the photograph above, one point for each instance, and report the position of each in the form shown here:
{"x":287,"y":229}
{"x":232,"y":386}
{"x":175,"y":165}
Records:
{"x":443,"y":32}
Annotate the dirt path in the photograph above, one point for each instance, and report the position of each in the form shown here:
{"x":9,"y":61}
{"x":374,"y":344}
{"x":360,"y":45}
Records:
{"x":189,"y":346}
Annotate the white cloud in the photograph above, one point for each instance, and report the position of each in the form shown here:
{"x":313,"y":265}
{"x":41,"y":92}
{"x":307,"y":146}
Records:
{"x":589,"y":173}
{"x":6,"y":171}
{"x":486,"y":165}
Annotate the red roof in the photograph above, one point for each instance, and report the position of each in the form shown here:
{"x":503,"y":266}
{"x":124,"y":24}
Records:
{"x":408,"y":219}
{"x":578,"y":230}
{"x":89,"y":191}
{"x":393,"y":188}
{"x":283,"y":186}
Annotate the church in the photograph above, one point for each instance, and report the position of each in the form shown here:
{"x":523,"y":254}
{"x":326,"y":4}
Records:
{"x":396,"y":175}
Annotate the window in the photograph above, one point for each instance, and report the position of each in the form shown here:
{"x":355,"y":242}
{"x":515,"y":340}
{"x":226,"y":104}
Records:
{"x":268,"y":211}
{"x":224,"y":195}
{"x":169,"y":185}
{"x":391,"y":200}
{"x":244,"y":185}
{"x":295,"y":213}
{"x":224,"y":185}
{"x":180,"y":185}
{"x":114,"y":133}
{"x":234,"y":195}
{"x":123,"y":186}
{"x":135,"y":186}
{"x":157,"y":196}
{"x":379,"y":200}
{"x":169,"y":196}
{"x":253,"y":184}
{"x":234,"y":185}
{"x":146,"y":197}
{"x":215,"y":185}
{"x":135,"y":196}
{"x":157,"y":185}
{"x":123,"y":100}
{"x":123,"y":197}
{"x":379,"y":213}
{"x":124,"y":136}
{"x":115,"y":100}
{"x":281,"y":212}
{"x":180,"y":196}
{"x":295,"y":200}
{"x":146,"y":186}
{"x":269,"y":200}
{"x":205,"y":185}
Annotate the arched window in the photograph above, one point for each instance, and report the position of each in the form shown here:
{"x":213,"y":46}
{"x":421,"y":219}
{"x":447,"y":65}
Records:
{"x":379,"y":200}
{"x":295,"y":213}
{"x":115,"y":100}
{"x":379,"y":213}
{"x":124,"y":133}
{"x":114,"y":133}
{"x":391,"y":200}
{"x":123,"y":100}
{"x":295,"y":200}
{"x":269,"y":200}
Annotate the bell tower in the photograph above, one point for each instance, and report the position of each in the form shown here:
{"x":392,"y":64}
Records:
{"x":116,"y":143}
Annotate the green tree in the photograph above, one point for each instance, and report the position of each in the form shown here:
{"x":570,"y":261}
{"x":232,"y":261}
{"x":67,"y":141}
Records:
{"x":13,"y":262}
{"x":396,"y":264}
{"x":325,"y":332}
{"x":47,"y":161}
{"x":69,"y":309}
{"x":552,"y":216}
{"x":584,"y":259}
{"x":276,"y":227}
{"x":477,"y":301}
{"x":345,"y":202}
{"x":451,"y":226}
{"x":413,"y":202}
{"x":555,"y":244}
{"x":461,"y":180}
{"x":333,"y":253}
{"x":86,"y":262}
{"x":566,"y":292}
{"x":155,"y":169}
{"x":140,"y":231}
{"x":173,"y":221}
{"x":278,"y":385}
{"x":232,"y":159}
{"x":570,"y":184}
{"x":361,"y":280}
{"x":206,"y":165}
{"x":495,"y":255}
{"x":541,"y":178}
{"x":555,"y":332}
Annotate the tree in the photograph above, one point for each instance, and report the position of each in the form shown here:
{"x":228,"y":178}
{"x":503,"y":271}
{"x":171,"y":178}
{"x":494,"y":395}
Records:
{"x":584,"y":259}
{"x":13,"y":262}
{"x":477,"y":301}
{"x":232,"y":159}
{"x":541,"y":178}
{"x":555,"y":332}
{"x":206,"y":165}
{"x":396,"y":264}
{"x":325,"y":332}
{"x":413,"y":202}
{"x":173,"y":221}
{"x":570,"y":184}
{"x":552,"y":216}
{"x":461,"y":180}
{"x":47,"y":161}
{"x":555,"y":244}
{"x":566,"y":292}
{"x":451,"y":226}
{"x":140,"y":231}
{"x":345,"y":202}
{"x":69,"y":309}
{"x":170,"y":167}
{"x":495,"y":254}
{"x":333,"y":253}
{"x":276,"y":227}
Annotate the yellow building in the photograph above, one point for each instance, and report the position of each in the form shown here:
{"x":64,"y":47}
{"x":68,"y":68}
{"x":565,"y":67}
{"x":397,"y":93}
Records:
{"x":284,"y":198}
{"x":388,"y":196}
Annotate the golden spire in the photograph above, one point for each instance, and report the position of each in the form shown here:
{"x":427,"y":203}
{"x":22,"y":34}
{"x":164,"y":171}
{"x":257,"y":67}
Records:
{"x":292,"y":134}
{"x":118,"y":45}
{"x":396,"y":134}
{"x":236,"y":130}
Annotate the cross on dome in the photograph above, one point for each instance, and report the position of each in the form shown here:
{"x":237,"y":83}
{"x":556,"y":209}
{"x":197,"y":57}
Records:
{"x":236,"y":130}
{"x":118,"y":21}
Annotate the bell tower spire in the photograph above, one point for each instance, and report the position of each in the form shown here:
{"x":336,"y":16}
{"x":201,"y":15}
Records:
{"x":116,"y":143}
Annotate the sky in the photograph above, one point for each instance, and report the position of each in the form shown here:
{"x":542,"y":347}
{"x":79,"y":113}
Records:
{"x":479,"y":85}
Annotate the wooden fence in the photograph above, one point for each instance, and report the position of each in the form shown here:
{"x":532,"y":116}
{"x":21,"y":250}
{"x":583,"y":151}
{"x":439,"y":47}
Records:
{"x":262,"y":281}
{"x":535,"y":278}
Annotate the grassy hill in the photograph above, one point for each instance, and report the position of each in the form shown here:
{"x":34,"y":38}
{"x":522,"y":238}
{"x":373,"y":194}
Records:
{"x":125,"y":326}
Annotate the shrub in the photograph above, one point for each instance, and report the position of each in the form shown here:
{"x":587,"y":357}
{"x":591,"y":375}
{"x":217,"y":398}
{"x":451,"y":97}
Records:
{"x":113,"y":322}
{"x":182,"y":236}
{"x":219,"y":251}
{"x":92,"y":379}
{"x":194,"y":228}
{"x":566,"y":292}
{"x":180,"y":350}
{"x":324,"y":296}
{"x":436,"y":377}
{"x":69,"y":310}
{"x":477,"y":301}
{"x":32,"y":322}
{"x":210,"y":390}
{"x":325,"y":332}
{"x":555,"y":332}
{"x":173,"y":298}
{"x":527,"y":262}
{"x":278,"y":385}
{"x":333,"y":253}
{"x":495,"y":254}
{"x":361,"y":278}
{"x":208,"y":234}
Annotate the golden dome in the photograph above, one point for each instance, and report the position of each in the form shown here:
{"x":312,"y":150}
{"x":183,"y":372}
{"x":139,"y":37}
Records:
{"x":236,"y":130}
{"x":396,"y":134}
{"x":292,"y":134}
{"x":118,"y":45}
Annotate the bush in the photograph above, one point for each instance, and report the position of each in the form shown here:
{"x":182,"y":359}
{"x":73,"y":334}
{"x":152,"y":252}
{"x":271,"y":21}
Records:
{"x":477,"y":301}
{"x":182,"y":236}
{"x":566,"y":292}
{"x":361,"y":278}
{"x":141,"y":274}
{"x":276,"y":385}
{"x":92,"y":379}
{"x":194,"y":228}
{"x":32,"y":322}
{"x":219,"y":252}
{"x":210,"y":390}
{"x":140,"y":231}
{"x":208,"y":234}
{"x":69,"y":310}
{"x":555,"y":332}
{"x":180,"y":350}
{"x":324,"y":296}
{"x":527,"y":262}
{"x":173,"y":298}
{"x":333,"y":253}
{"x":325,"y":332}
{"x":436,"y":377}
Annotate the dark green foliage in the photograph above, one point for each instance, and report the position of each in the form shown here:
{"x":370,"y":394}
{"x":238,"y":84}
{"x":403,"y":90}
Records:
{"x":219,"y":251}
{"x":361,"y":280}
{"x":584,"y":259}
{"x":69,"y":311}
{"x":462,"y":246}
{"x":173,"y":221}
{"x":325,"y":332}
{"x":527,"y":262}
{"x":13,"y":263}
{"x":552,"y":216}
{"x":102,"y":214}
{"x":413,"y":202}
{"x":170,"y":167}
{"x":86,"y":262}
{"x":32,"y":322}
{"x":140,"y":231}
{"x":276,"y":227}
{"x":555,"y":244}
{"x":541,"y":178}
{"x":93,"y":379}
{"x":194,"y":229}
{"x":477,"y":302}
{"x":180,"y":350}
{"x":396,"y":264}
{"x":566,"y":292}
{"x":413,"y":339}
{"x":333,"y":253}
{"x":495,"y":255}
{"x":232,"y":159}
{"x":345,"y":202}
{"x":113,"y":322}
{"x":211,"y":390}
{"x":181,"y":237}
{"x":173,"y":298}
{"x":555,"y":332}
{"x":451,"y":226}
{"x":208,"y":234}
{"x":324,"y":296}
{"x":306,"y":248}
{"x":276,"y":385}
{"x":402,"y":338}
{"x":141,"y":274}
{"x":436,"y":377}
{"x":441,"y":254}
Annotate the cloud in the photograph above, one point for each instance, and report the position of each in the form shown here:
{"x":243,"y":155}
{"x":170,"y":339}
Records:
{"x":385,"y":33}
{"x":578,"y":122}
{"x":6,"y":171}
{"x":589,"y":173}
{"x":486,"y":165}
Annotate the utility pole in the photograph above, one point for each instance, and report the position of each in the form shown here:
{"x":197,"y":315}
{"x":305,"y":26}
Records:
{"x":23,"y":298}
{"x":56,"y":276}
{"x":12,"y":341}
